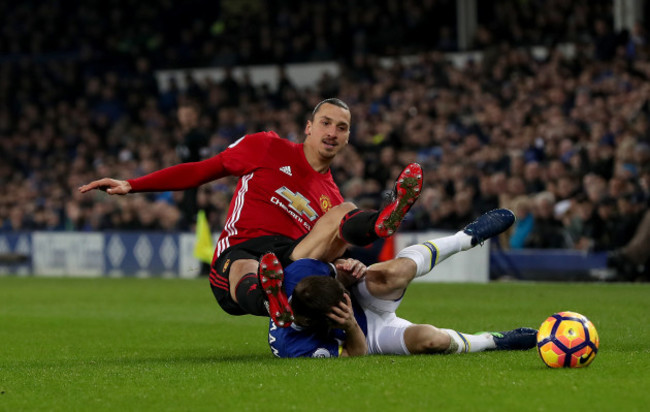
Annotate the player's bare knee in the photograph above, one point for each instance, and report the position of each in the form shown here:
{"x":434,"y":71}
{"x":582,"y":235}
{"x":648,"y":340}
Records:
{"x":238,"y":269}
{"x":377,"y":278}
{"x":391,"y":275}
{"x":344,"y":208}
{"x":426,"y":339}
{"x":323,"y":242}
{"x":328,"y":225}
{"x":333,"y":216}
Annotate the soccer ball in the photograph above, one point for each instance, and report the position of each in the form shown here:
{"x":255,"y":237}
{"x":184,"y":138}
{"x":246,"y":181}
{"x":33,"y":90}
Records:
{"x":567,"y":340}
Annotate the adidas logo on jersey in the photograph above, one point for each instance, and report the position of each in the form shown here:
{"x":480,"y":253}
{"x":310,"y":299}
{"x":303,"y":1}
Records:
{"x":286,"y":169}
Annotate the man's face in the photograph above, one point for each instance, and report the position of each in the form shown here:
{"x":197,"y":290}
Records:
{"x":187,"y":116}
{"x":329,"y":132}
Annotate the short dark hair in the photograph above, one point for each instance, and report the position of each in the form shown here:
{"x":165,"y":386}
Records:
{"x":336,"y":102}
{"x":313,"y":298}
{"x":192,"y":104}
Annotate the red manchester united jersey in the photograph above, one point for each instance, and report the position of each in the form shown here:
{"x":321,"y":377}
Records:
{"x":279,"y":193}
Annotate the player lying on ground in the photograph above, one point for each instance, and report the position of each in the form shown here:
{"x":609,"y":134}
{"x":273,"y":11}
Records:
{"x":341,"y":226}
{"x":284,"y":190}
{"x":332,"y":321}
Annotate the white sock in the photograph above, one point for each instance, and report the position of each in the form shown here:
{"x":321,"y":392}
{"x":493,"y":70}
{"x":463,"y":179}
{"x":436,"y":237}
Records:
{"x":464,"y":343}
{"x":428,"y":254}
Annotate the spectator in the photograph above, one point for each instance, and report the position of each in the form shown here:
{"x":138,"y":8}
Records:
{"x":605,"y":41}
{"x":547,"y":232}
{"x":575,"y":125}
{"x":191,"y":149}
{"x":632,"y":261}
{"x":533,"y":177}
{"x":524,"y":223}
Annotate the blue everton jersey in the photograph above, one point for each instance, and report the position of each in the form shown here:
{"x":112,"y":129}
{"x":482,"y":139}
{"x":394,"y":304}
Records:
{"x":295,"y":342}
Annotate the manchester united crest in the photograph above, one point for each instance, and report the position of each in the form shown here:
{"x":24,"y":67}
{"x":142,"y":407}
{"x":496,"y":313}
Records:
{"x":325,"y":203}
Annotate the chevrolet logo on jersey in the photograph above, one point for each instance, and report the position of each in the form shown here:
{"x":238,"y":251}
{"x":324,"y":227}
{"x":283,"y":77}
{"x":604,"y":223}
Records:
{"x":298,"y":203}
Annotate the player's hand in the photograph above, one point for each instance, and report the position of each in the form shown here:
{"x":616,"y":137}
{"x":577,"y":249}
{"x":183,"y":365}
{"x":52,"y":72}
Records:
{"x":343,"y":315}
{"x":110,"y":186}
{"x":349,"y":271}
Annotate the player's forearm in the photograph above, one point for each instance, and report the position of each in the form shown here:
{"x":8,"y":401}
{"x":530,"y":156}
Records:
{"x":180,"y":177}
{"x":355,"y":342}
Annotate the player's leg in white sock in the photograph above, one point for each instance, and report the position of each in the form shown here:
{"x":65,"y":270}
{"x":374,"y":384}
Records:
{"x":464,"y":343}
{"x":429,"y":339}
{"x":428,"y":254}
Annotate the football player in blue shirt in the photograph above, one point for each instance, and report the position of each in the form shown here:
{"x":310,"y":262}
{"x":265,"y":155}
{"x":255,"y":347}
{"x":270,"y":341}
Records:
{"x":348,"y":310}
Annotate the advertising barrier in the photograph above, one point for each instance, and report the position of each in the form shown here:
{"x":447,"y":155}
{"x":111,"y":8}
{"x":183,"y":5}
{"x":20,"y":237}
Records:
{"x":112,"y":254}
{"x":160,"y":254}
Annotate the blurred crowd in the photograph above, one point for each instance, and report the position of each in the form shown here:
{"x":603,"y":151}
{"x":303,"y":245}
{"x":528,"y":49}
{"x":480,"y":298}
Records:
{"x":199,"y":33}
{"x":564,"y":141}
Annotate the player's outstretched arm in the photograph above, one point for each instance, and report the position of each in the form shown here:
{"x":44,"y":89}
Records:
{"x":343,"y":316}
{"x":110,"y":186}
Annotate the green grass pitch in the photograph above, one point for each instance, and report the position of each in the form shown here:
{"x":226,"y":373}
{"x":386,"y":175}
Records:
{"x":155,"y":344}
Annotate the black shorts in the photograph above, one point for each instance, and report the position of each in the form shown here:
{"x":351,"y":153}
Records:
{"x":282,"y":246}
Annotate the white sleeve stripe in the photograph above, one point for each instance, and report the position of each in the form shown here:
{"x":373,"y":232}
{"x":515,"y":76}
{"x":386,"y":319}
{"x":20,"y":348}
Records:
{"x":236,"y":142}
{"x":239,"y":204}
{"x":230,"y":228}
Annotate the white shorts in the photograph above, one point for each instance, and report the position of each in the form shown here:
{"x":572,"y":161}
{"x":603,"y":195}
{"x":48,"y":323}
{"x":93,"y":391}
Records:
{"x":385,"y":329}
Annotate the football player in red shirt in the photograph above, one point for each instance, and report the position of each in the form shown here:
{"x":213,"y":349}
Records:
{"x":285,"y":202}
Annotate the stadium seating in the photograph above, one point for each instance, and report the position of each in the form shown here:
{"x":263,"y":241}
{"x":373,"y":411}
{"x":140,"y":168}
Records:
{"x":562,"y":140}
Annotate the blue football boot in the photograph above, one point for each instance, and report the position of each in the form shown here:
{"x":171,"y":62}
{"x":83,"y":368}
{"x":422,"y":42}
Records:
{"x":516,"y":339}
{"x":489,"y":225}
